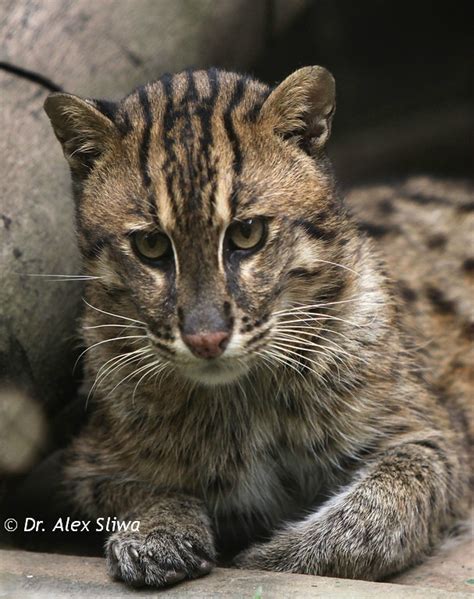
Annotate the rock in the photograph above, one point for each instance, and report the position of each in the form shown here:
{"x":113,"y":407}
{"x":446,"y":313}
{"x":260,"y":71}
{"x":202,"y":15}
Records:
{"x":67,"y":576}
{"x":37,"y":237}
{"x":106,"y":48}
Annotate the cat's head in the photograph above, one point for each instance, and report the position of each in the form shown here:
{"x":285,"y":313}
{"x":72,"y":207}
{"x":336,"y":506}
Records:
{"x":205,"y":207}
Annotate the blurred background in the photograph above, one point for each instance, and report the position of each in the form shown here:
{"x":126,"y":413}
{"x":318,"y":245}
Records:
{"x":404,"y":73}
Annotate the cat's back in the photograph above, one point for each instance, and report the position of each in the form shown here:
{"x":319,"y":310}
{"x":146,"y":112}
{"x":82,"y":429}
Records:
{"x":424,"y":228}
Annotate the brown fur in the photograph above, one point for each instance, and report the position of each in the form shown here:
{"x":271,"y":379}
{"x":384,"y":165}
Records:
{"x":332,"y":432}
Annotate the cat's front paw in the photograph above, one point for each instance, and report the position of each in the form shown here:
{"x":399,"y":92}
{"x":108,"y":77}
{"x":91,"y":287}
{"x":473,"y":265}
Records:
{"x":159,"y":558}
{"x":264,"y":556}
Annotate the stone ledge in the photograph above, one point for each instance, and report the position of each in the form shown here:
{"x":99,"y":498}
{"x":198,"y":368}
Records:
{"x":42,"y":575}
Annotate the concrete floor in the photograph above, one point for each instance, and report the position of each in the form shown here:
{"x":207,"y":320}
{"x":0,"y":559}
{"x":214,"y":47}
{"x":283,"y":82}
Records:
{"x":450,"y":574}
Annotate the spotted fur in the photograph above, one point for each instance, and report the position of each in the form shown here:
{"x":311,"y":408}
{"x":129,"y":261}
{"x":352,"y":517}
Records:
{"x":331,"y":436}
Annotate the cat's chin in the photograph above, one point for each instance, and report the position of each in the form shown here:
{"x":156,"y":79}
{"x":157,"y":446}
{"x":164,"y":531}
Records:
{"x":214,"y":373}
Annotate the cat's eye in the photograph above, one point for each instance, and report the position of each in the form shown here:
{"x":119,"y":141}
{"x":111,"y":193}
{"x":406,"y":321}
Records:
{"x":246,"y":234}
{"x":151,"y":246}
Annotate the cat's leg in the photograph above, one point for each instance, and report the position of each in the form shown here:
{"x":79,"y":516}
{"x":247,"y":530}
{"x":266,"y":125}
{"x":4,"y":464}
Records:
{"x":387,"y":519}
{"x":174,"y":540}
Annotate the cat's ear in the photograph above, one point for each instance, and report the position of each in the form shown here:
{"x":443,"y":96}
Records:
{"x":303,"y":106}
{"x":84,"y":127}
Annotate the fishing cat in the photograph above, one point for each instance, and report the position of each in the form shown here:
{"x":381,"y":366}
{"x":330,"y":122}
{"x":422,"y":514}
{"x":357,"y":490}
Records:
{"x":270,"y":364}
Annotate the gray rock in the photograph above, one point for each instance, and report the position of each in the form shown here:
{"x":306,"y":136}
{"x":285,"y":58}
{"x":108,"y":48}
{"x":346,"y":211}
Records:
{"x":36,"y":237}
{"x":42,"y":576}
{"x":105,"y":48}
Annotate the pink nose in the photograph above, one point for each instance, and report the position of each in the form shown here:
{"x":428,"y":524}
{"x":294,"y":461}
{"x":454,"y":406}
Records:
{"x":207,"y":345}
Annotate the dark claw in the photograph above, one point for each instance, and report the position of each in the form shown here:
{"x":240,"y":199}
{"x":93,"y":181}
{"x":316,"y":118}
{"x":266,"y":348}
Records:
{"x":174,"y":577}
{"x":116,"y":551}
{"x":133,"y":552}
{"x":205,"y":566}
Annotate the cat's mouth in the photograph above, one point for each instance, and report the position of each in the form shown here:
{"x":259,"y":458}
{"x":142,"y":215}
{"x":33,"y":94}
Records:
{"x":219,"y":371}
{"x":213,"y":372}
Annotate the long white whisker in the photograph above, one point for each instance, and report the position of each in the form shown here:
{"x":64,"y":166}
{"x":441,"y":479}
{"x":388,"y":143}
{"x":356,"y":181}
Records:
{"x":151,"y":367}
{"x":277,"y":358}
{"x":320,"y":305}
{"x":64,"y":280}
{"x":242,"y":388}
{"x":291,"y":343}
{"x":266,"y":362}
{"x":107,"y":341}
{"x":117,"y":362}
{"x":338,"y":265}
{"x":112,"y":314}
{"x":66,"y":277}
{"x":276,"y":354}
{"x":121,"y":356}
{"x":160,"y":369}
{"x":303,"y":332}
{"x":123,"y":326}
{"x":318,"y":316}
{"x":284,"y":357}
{"x":305,"y":359}
{"x":309,"y":330}
{"x":132,"y":374}
{"x":307,"y":342}
{"x":116,"y":367}
{"x":323,"y":305}
{"x":286,"y":348}
{"x":166,"y":371}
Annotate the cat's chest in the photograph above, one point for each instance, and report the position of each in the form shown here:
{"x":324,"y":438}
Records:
{"x":234,"y":455}
{"x":274,"y":485}
{"x":234,"y":470}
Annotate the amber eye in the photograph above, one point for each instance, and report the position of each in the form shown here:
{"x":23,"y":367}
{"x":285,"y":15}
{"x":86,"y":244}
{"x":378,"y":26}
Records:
{"x":246,"y":234}
{"x":151,"y":247}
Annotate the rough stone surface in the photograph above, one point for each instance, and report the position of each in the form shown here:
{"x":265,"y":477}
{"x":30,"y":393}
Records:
{"x":105,"y":48}
{"x":451,"y":568}
{"x":44,"y":575}
{"x":36,"y":236}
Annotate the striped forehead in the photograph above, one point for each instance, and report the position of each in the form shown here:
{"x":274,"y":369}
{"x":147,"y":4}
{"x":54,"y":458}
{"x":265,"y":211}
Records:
{"x":189,"y":146}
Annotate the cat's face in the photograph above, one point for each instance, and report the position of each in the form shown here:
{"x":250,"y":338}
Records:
{"x":202,"y":214}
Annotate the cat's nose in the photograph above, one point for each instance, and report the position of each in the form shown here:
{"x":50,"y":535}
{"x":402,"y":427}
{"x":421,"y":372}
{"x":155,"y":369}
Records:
{"x":207,"y":345}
